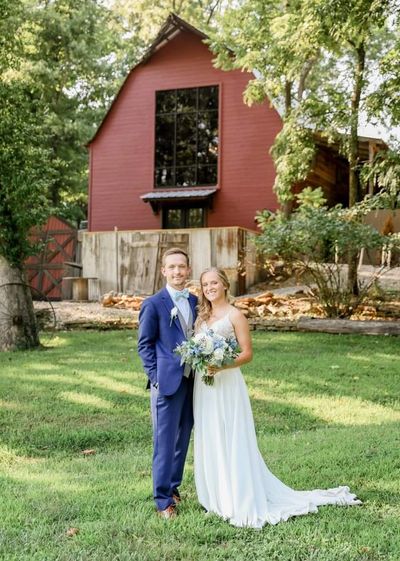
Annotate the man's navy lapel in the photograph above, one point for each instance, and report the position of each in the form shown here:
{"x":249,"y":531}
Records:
{"x":193,"y":305}
{"x":169,"y":305}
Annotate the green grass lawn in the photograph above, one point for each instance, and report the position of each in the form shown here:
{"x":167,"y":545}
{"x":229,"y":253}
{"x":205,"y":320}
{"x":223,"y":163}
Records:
{"x":327,"y":412}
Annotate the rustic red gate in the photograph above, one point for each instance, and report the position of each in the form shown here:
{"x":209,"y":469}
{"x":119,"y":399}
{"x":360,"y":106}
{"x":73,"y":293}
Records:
{"x":46,"y":269}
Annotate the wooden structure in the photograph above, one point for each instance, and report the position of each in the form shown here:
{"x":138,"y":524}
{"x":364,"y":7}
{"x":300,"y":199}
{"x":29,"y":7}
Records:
{"x":45,"y":270}
{"x":129,"y":261}
{"x":125,"y":187}
{"x":330,"y":169}
{"x":122,"y":191}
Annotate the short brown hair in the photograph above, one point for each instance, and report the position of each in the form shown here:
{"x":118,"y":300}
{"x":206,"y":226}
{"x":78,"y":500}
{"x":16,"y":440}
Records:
{"x":174,"y":251}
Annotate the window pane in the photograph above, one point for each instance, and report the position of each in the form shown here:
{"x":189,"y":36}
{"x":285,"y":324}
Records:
{"x":207,"y":153}
{"x":208,"y":98}
{"x":207,"y":148}
{"x":185,"y":176}
{"x":208,"y":122}
{"x":165,"y":177}
{"x":195,"y":217}
{"x":165,"y":134}
{"x":207,"y":175}
{"x":174,"y":218}
{"x":186,"y":100}
{"x":186,"y":150}
{"x":166,"y":101}
{"x":186,"y":139}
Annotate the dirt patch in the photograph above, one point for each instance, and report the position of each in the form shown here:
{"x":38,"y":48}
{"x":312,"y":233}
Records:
{"x":88,"y":315}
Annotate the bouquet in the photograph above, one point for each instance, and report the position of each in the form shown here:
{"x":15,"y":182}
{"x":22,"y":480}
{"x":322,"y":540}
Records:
{"x":208,"y":349}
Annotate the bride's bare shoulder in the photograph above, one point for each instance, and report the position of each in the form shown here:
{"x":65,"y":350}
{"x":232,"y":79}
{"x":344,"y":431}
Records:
{"x":236,"y":315}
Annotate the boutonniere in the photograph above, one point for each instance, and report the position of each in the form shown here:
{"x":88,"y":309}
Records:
{"x":174,"y":315}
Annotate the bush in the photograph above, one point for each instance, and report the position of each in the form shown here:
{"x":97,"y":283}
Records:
{"x":317,"y":240}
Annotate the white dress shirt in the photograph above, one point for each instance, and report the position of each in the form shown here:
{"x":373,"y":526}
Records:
{"x":182,"y":303}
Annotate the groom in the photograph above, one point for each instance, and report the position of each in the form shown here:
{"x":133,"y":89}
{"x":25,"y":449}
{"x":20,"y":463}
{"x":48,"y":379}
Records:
{"x":166,"y":319}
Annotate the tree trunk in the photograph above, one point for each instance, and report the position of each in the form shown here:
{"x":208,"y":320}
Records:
{"x":286,"y":207}
{"x":18,"y":328}
{"x":352,"y":281}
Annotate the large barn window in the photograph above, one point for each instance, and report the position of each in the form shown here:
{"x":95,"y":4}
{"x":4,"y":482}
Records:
{"x":186,"y":137}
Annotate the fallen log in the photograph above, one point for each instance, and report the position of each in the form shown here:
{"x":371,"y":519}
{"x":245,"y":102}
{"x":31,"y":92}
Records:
{"x":325,"y":325}
{"x":349,"y":326}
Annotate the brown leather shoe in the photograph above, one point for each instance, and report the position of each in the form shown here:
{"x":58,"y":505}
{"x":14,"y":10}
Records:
{"x":168,"y":513}
{"x":177,"y":499}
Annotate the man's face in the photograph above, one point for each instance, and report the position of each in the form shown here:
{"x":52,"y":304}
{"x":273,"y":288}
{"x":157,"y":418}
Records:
{"x":176,"y":270}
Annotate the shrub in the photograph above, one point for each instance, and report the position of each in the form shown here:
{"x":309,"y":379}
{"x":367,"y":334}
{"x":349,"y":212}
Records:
{"x":317,"y":240}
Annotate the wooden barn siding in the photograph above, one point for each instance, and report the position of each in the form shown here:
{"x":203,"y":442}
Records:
{"x":129,"y":261}
{"x":330,"y":172}
{"x":122,"y":154}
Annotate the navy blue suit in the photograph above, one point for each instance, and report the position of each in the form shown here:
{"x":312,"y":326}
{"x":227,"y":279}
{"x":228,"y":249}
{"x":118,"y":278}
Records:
{"x":171,"y":392}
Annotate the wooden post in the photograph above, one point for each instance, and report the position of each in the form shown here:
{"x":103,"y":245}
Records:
{"x":116,"y":258}
{"x":80,"y":288}
{"x":371,"y":152}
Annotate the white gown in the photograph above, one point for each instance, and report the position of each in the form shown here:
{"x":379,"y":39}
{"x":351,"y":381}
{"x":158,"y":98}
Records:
{"x":231,"y":477}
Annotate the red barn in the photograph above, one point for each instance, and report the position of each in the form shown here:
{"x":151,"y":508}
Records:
{"x":179,"y":148}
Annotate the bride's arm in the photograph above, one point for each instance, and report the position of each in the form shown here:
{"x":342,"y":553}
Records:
{"x":242,"y":332}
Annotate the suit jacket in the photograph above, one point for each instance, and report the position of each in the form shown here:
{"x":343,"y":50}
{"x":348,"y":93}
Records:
{"x":158,"y":337}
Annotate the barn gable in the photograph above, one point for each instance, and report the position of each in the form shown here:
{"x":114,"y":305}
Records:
{"x":122,"y":153}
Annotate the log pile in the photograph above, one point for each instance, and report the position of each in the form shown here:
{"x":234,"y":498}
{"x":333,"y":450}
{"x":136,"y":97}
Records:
{"x":121,"y":301}
{"x":265,"y":305}
{"x":271,"y":306}
{"x":275,"y":306}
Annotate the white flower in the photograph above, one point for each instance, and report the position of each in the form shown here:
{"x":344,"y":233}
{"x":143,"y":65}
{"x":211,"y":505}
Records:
{"x":208,"y":345}
{"x":218,"y":354}
{"x":174,"y":314}
{"x":205,"y":341}
{"x":198,"y":338}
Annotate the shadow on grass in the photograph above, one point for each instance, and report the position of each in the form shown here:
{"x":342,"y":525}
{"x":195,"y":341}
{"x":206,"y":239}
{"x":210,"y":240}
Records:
{"x":87,"y":391}
{"x":332,"y":365}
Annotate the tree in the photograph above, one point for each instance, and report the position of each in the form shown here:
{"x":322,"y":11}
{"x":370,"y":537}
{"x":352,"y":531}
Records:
{"x":271,"y":39}
{"x":69,"y":48}
{"x":316,"y":60}
{"x":359,"y":35}
{"x":77,"y":53}
{"x":23,"y":184}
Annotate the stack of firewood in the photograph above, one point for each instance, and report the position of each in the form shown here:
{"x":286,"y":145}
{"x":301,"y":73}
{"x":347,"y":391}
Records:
{"x":268,"y":304}
{"x":265,"y":305}
{"x":115,"y":300}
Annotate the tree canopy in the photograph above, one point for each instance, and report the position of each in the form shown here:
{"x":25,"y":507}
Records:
{"x":323,"y":64}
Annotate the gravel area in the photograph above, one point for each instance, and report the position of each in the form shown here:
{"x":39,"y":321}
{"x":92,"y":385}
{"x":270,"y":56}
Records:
{"x":85,"y":314}
{"x":72,"y":314}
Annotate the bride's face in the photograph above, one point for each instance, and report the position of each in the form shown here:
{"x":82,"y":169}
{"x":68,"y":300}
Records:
{"x":212,"y":286}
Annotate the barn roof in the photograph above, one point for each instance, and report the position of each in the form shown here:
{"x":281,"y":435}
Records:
{"x":172,"y":26}
{"x":169,"y":30}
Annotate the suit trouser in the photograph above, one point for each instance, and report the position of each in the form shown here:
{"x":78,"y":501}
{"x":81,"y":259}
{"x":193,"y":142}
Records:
{"x":172,"y":418}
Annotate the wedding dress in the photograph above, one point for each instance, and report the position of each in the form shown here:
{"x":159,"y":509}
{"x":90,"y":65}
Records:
{"x":231,"y":477}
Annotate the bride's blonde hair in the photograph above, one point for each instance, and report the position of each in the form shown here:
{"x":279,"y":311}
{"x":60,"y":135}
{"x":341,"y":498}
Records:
{"x":204,"y":306}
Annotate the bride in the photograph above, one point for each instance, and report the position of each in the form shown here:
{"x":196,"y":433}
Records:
{"x":231,"y":477}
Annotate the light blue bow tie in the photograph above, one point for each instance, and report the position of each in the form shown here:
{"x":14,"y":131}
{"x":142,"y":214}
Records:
{"x":181,"y":294}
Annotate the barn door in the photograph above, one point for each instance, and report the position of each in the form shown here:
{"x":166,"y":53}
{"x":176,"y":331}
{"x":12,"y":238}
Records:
{"x":45,"y":270}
